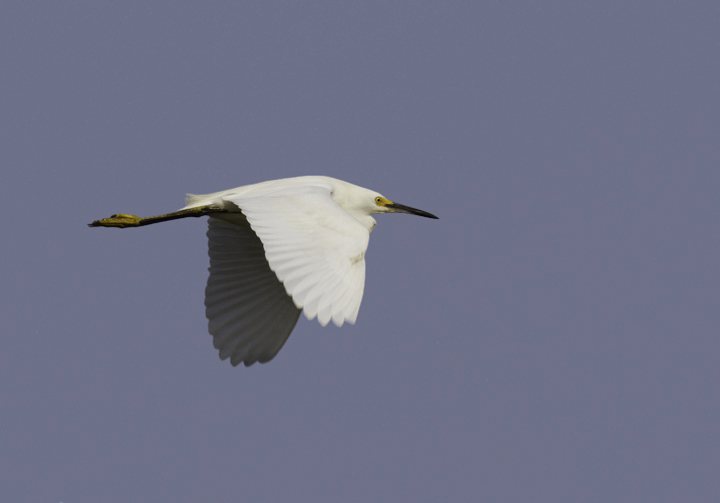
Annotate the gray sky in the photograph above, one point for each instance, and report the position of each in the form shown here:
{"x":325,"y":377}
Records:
{"x":553,"y":337}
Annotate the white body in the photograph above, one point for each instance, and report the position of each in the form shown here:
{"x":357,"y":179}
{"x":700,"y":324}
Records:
{"x":288,"y":245}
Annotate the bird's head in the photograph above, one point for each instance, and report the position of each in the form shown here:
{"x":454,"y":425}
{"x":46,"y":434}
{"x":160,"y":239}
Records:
{"x":361,"y":203}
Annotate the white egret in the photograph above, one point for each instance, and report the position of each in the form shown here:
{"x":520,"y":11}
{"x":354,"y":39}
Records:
{"x":278,"y":248}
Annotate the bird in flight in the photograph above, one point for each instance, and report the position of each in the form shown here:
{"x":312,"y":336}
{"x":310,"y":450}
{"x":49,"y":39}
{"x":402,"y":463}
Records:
{"x":277,"y":249}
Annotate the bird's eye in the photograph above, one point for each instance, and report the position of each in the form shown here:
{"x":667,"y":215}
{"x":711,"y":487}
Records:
{"x":378,"y":200}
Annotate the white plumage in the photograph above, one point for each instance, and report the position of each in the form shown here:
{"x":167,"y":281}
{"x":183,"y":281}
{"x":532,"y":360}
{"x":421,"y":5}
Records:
{"x":278,"y":248}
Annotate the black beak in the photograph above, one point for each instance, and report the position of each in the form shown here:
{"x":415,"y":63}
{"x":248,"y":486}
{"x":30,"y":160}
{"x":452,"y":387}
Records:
{"x":400,"y":208}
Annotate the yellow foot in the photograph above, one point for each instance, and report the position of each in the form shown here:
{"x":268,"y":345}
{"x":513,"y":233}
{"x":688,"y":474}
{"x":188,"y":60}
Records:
{"x":119,"y":220}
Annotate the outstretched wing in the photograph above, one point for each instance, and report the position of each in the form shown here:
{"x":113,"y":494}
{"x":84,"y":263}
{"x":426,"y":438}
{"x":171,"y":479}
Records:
{"x":250,"y":316}
{"x":316,"y":249}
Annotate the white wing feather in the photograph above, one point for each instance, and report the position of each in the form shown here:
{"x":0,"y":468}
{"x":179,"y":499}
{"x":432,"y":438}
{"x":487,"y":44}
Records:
{"x":250,"y":315}
{"x":316,"y":249}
